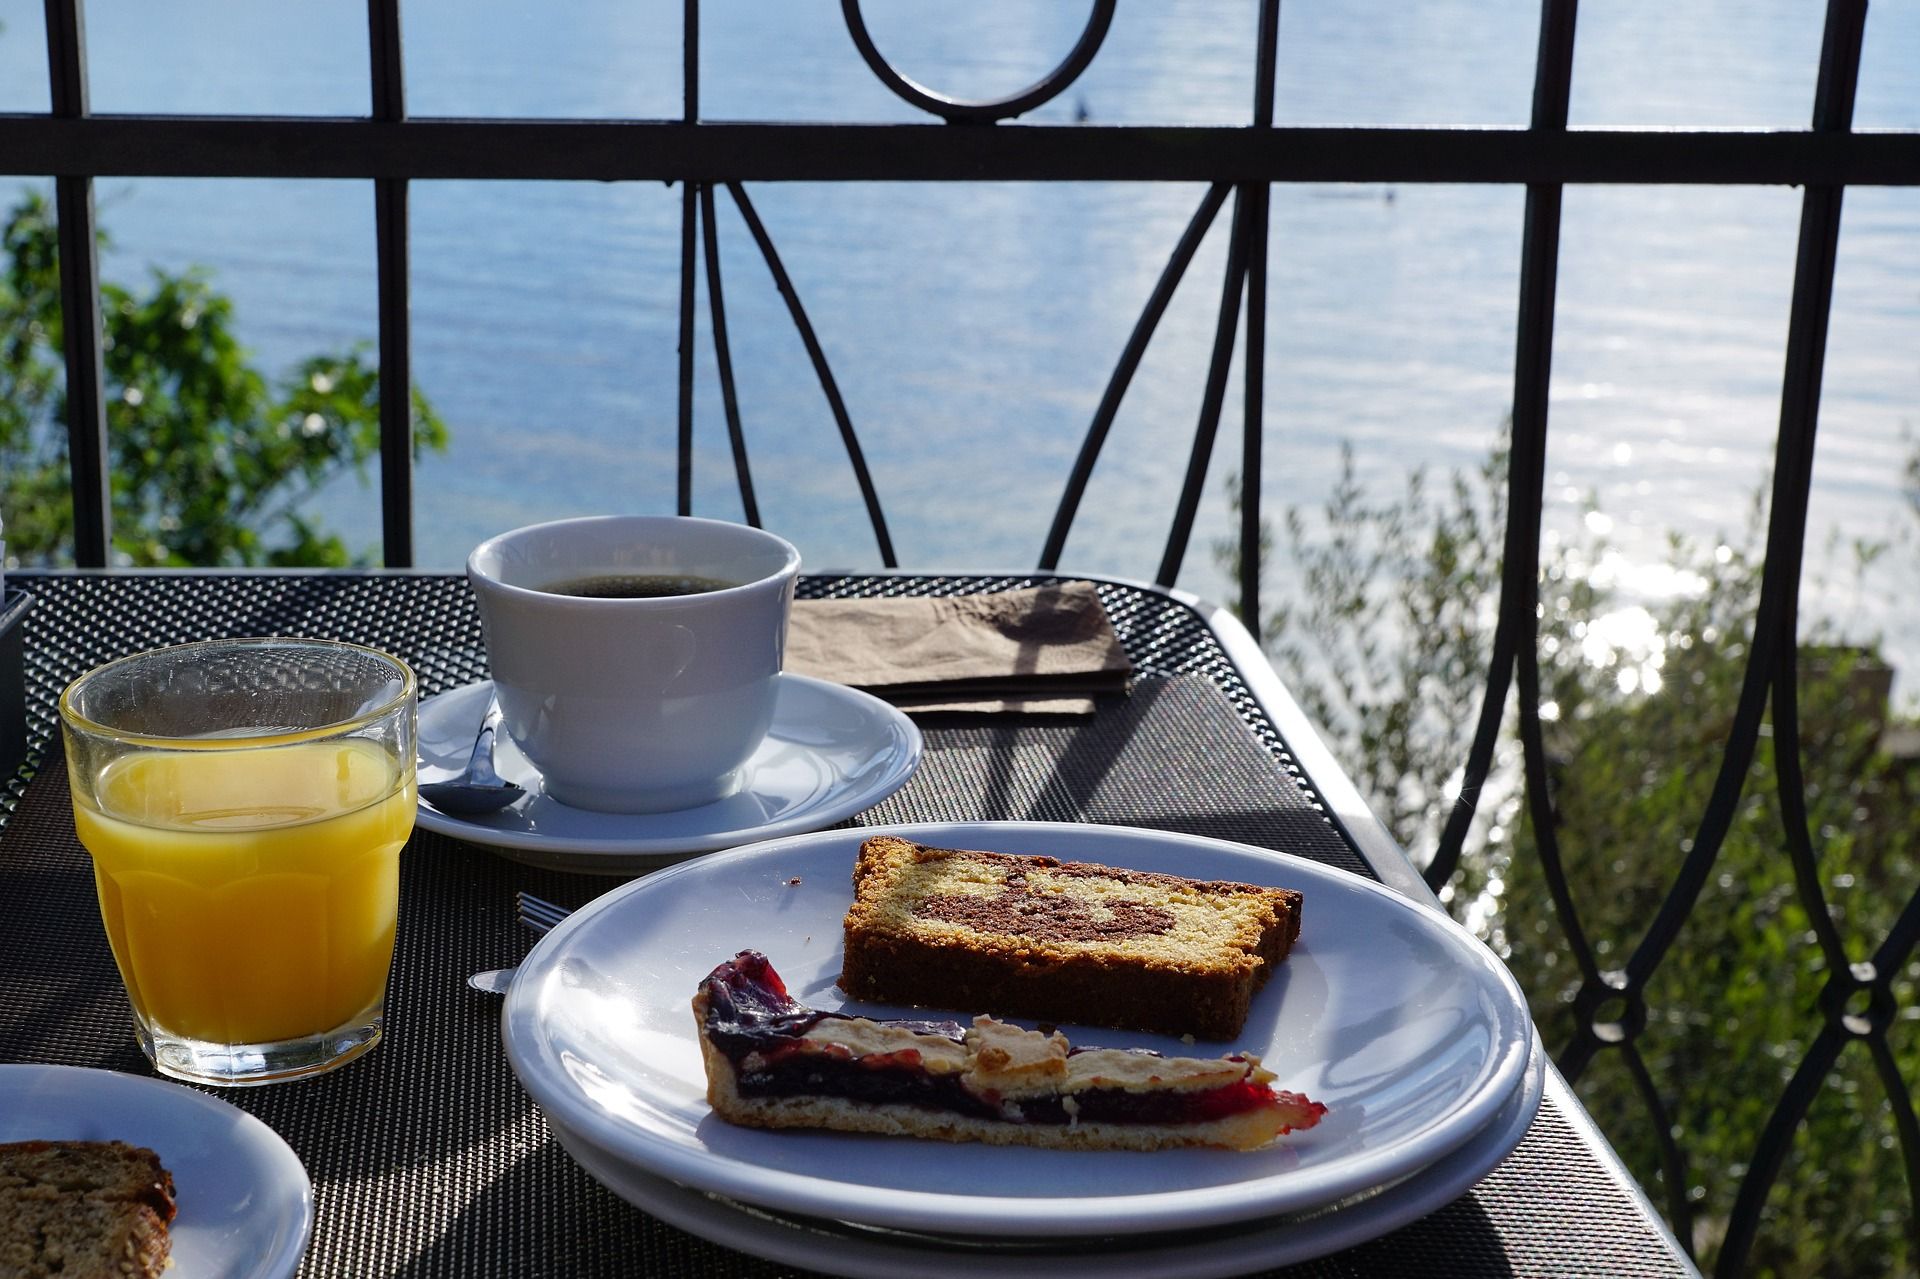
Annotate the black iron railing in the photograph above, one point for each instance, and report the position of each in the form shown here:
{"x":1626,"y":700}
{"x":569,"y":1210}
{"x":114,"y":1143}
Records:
{"x":972,"y":142}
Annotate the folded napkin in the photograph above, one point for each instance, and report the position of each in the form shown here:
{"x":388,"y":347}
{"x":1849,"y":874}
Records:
{"x":1045,"y":650}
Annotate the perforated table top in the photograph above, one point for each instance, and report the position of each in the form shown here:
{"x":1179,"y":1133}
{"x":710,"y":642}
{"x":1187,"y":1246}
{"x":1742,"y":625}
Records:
{"x":427,"y":1157}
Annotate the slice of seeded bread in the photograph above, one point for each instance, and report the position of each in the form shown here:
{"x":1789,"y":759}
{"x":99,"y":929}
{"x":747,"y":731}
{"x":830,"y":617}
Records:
{"x":83,"y":1210}
{"x":1061,"y":941}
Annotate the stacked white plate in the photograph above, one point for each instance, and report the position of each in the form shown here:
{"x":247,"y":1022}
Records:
{"x":1407,"y":1028}
{"x":245,"y":1204}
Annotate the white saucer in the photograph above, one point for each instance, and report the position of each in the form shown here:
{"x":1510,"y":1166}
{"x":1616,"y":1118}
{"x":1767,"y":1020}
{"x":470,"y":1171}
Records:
{"x":245,"y":1203}
{"x":832,"y":752}
{"x":868,"y":1253}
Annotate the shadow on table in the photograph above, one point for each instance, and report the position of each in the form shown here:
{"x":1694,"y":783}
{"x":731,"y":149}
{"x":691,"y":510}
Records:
{"x":546,"y":1216}
{"x":1173,"y":755}
{"x":584,"y":1228}
{"x":1459,"y":1239}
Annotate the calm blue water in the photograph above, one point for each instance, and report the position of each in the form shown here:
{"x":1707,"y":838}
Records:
{"x":972,"y":331}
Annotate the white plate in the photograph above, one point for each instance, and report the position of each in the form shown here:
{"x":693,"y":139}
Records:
{"x":1408,"y":1029}
{"x":245,"y":1204}
{"x":832,"y":752}
{"x":845,"y":1249}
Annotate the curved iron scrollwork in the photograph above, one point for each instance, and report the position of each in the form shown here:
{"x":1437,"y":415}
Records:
{"x":984,"y":111}
{"x":1609,"y":1010}
{"x":698,"y":223}
{"x":1246,"y":272}
{"x":697,"y":214}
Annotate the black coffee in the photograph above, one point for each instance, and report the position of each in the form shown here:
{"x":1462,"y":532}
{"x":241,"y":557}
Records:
{"x":637,"y":586}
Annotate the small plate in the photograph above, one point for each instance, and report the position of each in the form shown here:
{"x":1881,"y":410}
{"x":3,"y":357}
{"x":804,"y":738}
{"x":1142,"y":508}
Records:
{"x":870,"y":1253}
{"x":245,"y":1204}
{"x":1409,"y":1029}
{"x":832,"y":752}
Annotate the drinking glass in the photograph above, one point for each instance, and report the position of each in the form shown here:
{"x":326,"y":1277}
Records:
{"x":245,"y":802}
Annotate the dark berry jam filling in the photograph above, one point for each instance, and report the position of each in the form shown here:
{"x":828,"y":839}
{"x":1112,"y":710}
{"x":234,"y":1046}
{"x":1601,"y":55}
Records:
{"x":751,"y":1015}
{"x":749,"y":1010}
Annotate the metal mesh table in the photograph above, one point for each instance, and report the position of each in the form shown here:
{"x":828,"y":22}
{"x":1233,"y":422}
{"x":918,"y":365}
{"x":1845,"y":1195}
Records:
{"x":426,"y":1156}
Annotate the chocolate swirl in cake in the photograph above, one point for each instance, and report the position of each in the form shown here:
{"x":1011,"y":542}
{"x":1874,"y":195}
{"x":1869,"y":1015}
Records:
{"x":1018,"y":911}
{"x":1059,"y":941}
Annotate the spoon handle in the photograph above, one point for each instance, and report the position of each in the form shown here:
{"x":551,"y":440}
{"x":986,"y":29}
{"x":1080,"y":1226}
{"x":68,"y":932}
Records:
{"x":480,"y":763}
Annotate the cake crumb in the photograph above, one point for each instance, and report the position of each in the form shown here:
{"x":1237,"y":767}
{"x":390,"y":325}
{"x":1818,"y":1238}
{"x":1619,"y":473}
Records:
{"x":794,"y":882}
{"x":1187,"y":1038}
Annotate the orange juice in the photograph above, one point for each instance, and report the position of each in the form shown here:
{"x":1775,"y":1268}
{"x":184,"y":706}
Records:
{"x":250,"y":895}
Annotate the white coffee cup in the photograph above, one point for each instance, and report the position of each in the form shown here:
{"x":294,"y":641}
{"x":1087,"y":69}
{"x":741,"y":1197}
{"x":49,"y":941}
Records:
{"x":636,"y":705}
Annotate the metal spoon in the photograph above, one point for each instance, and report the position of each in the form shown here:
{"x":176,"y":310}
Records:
{"x":477,"y":789}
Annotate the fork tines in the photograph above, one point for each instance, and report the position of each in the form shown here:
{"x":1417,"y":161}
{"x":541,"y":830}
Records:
{"x":538,"y":914}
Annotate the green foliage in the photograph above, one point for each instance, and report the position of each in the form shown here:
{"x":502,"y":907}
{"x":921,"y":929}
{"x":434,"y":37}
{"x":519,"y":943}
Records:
{"x":1383,"y":636}
{"x":210,"y":462}
{"x":1389,"y":650}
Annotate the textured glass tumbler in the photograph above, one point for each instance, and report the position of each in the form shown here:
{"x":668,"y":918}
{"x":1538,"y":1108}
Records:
{"x":245,"y":802}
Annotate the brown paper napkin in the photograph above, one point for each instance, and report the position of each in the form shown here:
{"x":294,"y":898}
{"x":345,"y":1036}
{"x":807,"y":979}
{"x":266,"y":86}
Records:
{"x":1046,"y":650}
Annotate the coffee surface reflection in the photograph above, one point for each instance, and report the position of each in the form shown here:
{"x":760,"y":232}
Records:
{"x":637,"y":586}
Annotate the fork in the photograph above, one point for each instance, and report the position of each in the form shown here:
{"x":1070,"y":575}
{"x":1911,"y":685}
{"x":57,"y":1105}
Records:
{"x":536,"y":913}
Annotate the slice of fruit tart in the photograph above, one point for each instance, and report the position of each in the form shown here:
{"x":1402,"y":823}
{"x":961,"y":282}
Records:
{"x":773,"y":1062}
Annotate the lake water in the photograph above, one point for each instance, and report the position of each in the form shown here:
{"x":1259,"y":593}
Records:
{"x":972,"y":330}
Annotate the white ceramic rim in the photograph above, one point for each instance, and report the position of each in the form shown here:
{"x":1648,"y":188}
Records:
{"x":692,"y":1165}
{"x":826,"y":1245}
{"x":273,"y":1176}
{"x":477,"y":575}
{"x":619,"y":851}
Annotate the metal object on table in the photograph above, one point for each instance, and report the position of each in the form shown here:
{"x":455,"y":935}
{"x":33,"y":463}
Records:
{"x":536,"y":913}
{"x":477,"y":788}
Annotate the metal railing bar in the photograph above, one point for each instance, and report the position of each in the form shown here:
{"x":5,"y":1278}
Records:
{"x":1266,"y":63}
{"x":1129,"y":362}
{"x":1253,"y":411}
{"x":669,"y":151}
{"x":81,"y":329}
{"x":1526,"y":461}
{"x":386,"y":61}
{"x":1553,"y":65}
{"x":690,"y":61}
{"x":689,"y":193}
{"x":1891,"y":958}
{"x":1521,"y":596}
{"x":396,"y":372}
{"x":1773,"y":653}
{"x":1904,"y":1121}
{"x":1898,"y":944}
{"x":1673,"y":1163}
{"x":1780,"y":584}
{"x":683,"y":487}
{"x":837,"y":404}
{"x":82,"y":337}
{"x":1839,"y":81}
{"x":1743,"y":1223}
{"x":1794,"y":820}
{"x":1253,"y":416}
{"x":1520,"y":567}
{"x":723,"y":359}
{"x":67,"y":59}
{"x":390,"y":219}
{"x":1226,"y":329}
{"x":1735,"y":758}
